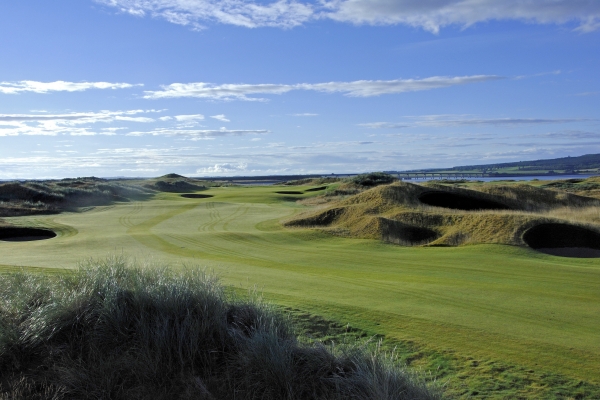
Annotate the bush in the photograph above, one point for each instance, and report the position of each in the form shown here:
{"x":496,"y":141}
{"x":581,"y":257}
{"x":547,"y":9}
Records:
{"x":373,"y":179}
{"x":114,"y":331}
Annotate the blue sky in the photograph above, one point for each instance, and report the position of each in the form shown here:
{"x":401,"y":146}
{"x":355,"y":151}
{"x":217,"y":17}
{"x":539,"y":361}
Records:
{"x":225,"y":88}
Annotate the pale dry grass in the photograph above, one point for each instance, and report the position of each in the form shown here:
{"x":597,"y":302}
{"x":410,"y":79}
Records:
{"x":361,"y":215}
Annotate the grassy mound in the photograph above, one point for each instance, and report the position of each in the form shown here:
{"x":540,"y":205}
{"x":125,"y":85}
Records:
{"x":175,"y":183}
{"x":373,"y":179}
{"x":531,"y":198}
{"x":311,"y":181}
{"x":110,"y":330}
{"x":398,"y":213}
{"x":174,"y":186}
{"x":39,"y":197}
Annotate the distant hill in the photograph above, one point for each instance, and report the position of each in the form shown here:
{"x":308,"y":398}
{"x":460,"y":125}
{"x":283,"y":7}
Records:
{"x":586,"y":164}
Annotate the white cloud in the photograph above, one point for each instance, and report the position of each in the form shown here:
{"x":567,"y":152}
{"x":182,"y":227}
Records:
{"x":363,"y":88}
{"x":57,"y":86}
{"x":433,"y":15}
{"x":223,"y":168}
{"x":200,"y":133}
{"x":280,"y":13}
{"x":217,"y":92}
{"x":428,"y":15}
{"x":81,"y":117}
{"x":66,"y":124}
{"x":220,"y":117}
{"x":304,"y":115}
{"x":134,"y":119}
{"x":383,"y":125}
{"x":167,"y":118}
{"x":188,"y":118}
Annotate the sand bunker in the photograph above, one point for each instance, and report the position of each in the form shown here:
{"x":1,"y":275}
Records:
{"x":458,"y":201}
{"x":563,"y":240}
{"x":288,"y":192}
{"x":196,"y":196}
{"x":25,"y":234}
{"x":408,"y":235}
{"x":316,"y":189}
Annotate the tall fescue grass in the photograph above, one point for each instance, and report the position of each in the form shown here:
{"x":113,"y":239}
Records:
{"x":113,"y":330}
{"x":391,"y":212}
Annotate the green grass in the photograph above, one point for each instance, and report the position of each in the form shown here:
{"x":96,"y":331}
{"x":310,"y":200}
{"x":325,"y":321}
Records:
{"x":111,"y":329}
{"x":479,"y":316}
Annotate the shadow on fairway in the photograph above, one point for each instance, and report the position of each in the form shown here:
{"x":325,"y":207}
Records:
{"x":563,"y":240}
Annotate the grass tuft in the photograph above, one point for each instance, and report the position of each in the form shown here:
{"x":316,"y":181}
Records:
{"x":115,"y":330}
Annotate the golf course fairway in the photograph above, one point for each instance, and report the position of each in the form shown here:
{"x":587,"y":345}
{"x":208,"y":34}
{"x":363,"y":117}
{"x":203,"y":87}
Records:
{"x":478,"y":306}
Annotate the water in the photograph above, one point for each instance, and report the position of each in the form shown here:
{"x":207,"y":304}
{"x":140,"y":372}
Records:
{"x":506,"y":178}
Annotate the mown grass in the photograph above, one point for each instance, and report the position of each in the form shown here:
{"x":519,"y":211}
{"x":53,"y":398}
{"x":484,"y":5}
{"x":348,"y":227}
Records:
{"x":504,"y":307}
{"x":460,"y":376}
{"x":112,"y":330}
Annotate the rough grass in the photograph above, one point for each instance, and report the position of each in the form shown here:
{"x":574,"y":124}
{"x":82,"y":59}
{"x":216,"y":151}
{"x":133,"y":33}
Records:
{"x":110,"y":330}
{"x":372,"y":179}
{"x":43,"y":197}
{"x":387,"y":212}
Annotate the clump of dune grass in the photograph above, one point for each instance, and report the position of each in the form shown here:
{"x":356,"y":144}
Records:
{"x":110,"y":330}
{"x":373,"y":179}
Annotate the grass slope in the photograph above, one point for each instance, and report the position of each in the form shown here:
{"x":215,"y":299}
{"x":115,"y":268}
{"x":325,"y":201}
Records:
{"x":472,"y":315}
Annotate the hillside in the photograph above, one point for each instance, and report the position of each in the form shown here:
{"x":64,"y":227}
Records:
{"x":588,"y":164}
{"x":52,"y":196}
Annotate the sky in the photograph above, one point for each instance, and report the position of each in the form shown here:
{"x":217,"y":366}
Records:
{"x":141,"y":88}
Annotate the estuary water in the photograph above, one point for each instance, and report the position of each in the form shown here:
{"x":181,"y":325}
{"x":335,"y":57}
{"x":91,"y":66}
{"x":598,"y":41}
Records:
{"x":507,"y":178}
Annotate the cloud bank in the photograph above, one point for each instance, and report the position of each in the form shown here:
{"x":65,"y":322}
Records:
{"x":449,"y":121}
{"x":428,"y":15}
{"x":67,"y":124}
{"x":58,"y":86}
{"x":362,"y":88}
{"x":200,"y":133}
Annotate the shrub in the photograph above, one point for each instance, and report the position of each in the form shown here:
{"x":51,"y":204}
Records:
{"x":112,"y":330}
{"x":373,"y":179}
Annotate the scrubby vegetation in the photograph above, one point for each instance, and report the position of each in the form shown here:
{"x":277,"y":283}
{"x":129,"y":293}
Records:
{"x":112,"y":330}
{"x":42,"y":197}
{"x":312,"y":181}
{"x":436,"y":214}
{"x":372,"y":179}
{"x":52,"y":196}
